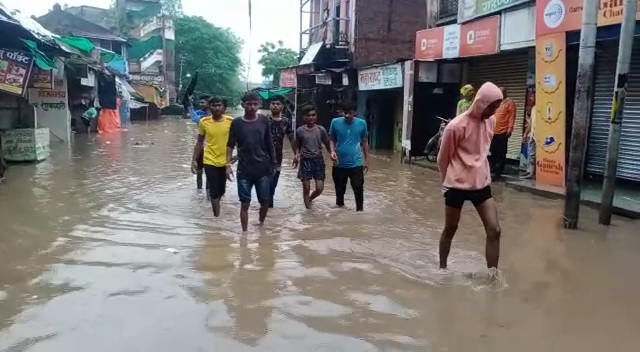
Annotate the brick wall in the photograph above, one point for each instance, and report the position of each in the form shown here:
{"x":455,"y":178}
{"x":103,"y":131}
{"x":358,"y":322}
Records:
{"x":386,"y":30}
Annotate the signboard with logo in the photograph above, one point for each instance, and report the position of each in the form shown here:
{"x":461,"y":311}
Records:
{"x":470,"y":9}
{"x":474,"y":38}
{"x":382,"y":77}
{"x":15,"y":69}
{"x":550,"y":109}
{"x":555,"y":16}
{"x":429,"y":44}
{"x":288,"y":78}
{"x":480,"y":37}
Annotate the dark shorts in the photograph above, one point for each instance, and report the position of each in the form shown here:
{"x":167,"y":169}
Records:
{"x":201,"y":161}
{"x":262,"y":185}
{"x":311,"y":169}
{"x":455,"y":198}
{"x":216,"y":180}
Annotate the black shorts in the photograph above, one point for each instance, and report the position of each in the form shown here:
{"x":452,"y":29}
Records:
{"x":201,"y":161}
{"x":455,"y":198}
{"x":311,"y":169}
{"x":216,"y":180}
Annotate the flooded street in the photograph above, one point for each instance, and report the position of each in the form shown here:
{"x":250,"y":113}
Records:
{"x":109,"y":247}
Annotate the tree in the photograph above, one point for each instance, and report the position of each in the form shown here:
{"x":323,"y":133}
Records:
{"x":211,"y":50}
{"x":172,"y":8}
{"x":274,"y":57}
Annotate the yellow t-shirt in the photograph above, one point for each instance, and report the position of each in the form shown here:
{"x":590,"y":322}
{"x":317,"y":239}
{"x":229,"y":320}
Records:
{"x":216,"y":134}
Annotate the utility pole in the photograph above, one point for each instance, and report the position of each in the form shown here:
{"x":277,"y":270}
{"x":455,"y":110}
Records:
{"x":625,"y":47}
{"x":581,"y":113}
{"x":180,"y":77}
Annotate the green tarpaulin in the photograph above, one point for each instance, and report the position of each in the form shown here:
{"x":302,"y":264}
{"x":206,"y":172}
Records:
{"x":82,"y":44}
{"x":266,"y":94}
{"x":41,"y":60}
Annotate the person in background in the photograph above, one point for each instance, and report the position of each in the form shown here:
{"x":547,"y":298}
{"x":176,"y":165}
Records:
{"x":338,"y":110}
{"x":204,"y":110}
{"x":468,"y":93}
{"x":309,"y":141}
{"x":212,"y":155}
{"x":465,"y":174}
{"x":349,"y":141}
{"x":280,"y":126}
{"x":530,"y":138}
{"x":505,"y":121}
{"x":203,"y":105}
{"x":256,"y":157}
{"x":225,"y":106}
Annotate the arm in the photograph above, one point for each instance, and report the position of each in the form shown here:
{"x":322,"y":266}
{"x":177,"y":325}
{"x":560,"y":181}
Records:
{"x":332,"y":138}
{"x":459,"y":108}
{"x":326,"y":139}
{"x":447,"y":146}
{"x":231,"y":143}
{"x":268,"y":142}
{"x":365,"y":144}
{"x":298,"y":145}
{"x":198,"y":149}
{"x":290,"y":136}
{"x":512,"y":117}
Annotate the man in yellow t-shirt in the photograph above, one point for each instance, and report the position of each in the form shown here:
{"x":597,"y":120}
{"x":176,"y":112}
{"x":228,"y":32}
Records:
{"x":213,"y":133}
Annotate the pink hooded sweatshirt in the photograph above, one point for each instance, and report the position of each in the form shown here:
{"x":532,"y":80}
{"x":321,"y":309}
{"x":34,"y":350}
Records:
{"x":466,"y":140}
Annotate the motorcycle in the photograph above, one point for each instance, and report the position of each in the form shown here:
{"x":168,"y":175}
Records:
{"x":433,"y":146}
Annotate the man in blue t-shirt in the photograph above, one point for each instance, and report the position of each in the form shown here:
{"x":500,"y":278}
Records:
{"x":349,"y":142}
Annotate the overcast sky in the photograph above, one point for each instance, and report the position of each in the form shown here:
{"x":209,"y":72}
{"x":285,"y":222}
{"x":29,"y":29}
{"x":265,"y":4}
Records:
{"x":272,"y":20}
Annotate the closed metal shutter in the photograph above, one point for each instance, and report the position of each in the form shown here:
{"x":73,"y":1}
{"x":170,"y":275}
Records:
{"x":605,"y":71}
{"x":509,"y":71}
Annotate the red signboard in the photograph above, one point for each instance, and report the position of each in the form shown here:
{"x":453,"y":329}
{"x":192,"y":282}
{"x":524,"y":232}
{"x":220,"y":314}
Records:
{"x":429,"y":44}
{"x":288,"y":78}
{"x":480,"y":37}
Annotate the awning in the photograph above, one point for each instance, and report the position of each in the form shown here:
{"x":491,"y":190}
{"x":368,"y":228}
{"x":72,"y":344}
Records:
{"x":311,"y":54}
{"x":149,"y":94}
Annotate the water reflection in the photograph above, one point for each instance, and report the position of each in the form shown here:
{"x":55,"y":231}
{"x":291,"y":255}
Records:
{"x":108,"y":246}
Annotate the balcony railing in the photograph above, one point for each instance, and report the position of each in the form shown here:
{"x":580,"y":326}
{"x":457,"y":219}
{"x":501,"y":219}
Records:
{"x":448,"y":8}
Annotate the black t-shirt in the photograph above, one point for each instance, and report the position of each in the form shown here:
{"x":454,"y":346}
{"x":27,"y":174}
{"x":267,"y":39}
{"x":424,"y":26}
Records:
{"x":256,"y":154}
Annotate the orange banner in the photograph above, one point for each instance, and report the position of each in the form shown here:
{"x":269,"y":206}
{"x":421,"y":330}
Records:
{"x":550,"y":109}
{"x":555,"y":16}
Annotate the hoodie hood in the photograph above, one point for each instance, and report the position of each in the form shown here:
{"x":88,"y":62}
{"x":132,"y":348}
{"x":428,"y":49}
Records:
{"x":487,"y":94}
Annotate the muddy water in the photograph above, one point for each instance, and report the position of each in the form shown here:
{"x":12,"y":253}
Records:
{"x":109,"y":247}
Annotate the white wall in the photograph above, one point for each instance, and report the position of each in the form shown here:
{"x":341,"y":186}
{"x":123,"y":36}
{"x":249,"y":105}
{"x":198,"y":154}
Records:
{"x":518,"y":28}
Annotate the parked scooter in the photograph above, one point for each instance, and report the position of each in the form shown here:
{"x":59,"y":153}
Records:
{"x":433,"y":146}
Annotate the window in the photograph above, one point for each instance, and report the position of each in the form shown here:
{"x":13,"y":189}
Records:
{"x":448,"y":8}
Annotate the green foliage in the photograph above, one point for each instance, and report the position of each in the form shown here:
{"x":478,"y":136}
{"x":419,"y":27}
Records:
{"x":274,"y":57}
{"x":172,"y":8}
{"x":211,"y":50}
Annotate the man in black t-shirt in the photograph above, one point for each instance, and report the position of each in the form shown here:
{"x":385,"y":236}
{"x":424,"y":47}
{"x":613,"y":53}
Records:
{"x":280,"y":126}
{"x":256,"y":157}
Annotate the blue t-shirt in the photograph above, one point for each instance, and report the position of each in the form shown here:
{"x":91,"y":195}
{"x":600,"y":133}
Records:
{"x":348,"y":138}
{"x":196,"y":115}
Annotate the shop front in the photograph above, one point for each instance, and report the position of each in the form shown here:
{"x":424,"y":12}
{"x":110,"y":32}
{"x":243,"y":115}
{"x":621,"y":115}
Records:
{"x":554,"y":93}
{"x":380,"y":102}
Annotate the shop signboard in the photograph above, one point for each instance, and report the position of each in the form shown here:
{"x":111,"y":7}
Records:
{"x":556,"y":16}
{"x":473,"y":38}
{"x":382,"y":77}
{"x":15,"y":69}
{"x":288,"y":78}
{"x":429,"y":44}
{"x":480,"y":37}
{"x":41,"y":78}
{"x":550,"y":109}
{"x":52,"y":108}
{"x":470,"y":9}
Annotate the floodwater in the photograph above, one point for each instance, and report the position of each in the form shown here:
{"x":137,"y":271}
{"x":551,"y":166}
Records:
{"x":109,"y":247}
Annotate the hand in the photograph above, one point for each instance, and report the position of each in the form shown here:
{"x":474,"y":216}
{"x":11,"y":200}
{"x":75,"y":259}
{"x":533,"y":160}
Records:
{"x":234,"y":159}
{"x":229,"y":173}
{"x":295,"y":162}
{"x":334,"y":156}
{"x":509,"y":134}
{"x":366,"y":168}
{"x":194,"y":167}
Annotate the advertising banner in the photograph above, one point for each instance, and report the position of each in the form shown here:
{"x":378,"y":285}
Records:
{"x":555,"y":16}
{"x":474,"y":38}
{"x":381,"y":77}
{"x":15,"y":69}
{"x":288,"y":78}
{"x":550,"y":109}
{"x":41,"y":78}
{"x":429,"y":44}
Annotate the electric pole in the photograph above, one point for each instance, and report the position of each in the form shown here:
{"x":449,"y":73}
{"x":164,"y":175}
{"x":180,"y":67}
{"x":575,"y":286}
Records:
{"x":180,"y":77}
{"x":581,"y":113}
{"x":625,"y":47}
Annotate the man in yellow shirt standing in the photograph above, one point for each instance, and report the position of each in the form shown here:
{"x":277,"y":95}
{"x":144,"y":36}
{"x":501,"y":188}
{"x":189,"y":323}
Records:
{"x":213,"y":133}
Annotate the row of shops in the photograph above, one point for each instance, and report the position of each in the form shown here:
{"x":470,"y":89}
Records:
{"x":52,"y":87}
{"x":531,"y":49}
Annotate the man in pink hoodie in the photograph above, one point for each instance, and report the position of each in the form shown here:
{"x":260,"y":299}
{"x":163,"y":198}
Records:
{"x":465,"y":173}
